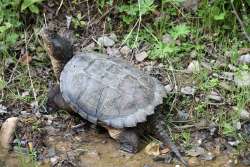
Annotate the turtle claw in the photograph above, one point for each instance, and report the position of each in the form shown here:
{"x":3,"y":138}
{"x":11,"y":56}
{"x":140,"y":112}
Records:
{"x":127,"y":148}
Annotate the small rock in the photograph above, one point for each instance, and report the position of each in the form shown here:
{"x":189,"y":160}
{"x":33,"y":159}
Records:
{"x":24,"y":94}
{"x":237,"y":125}
{"x":54,"y":160}
{"x":68,"y":21}
{"x":213,"y":128}
{"x":169,"y":88}
{"x":232,"y":67}
{"x":141,"y":56}
{"x":167,"y":39}
{"x":242,"y":79}
{"x":125,"y":50}
{"x":24,"y":113}
{"x":234,"y":143}
{"x":194,"y":161}
{"x":244,"y":115}
{"x":7,"y":131}
{"x":113,"y":52}
{"x":244,"y":59}
{"x":190,"y":5}
{"x":207,"y":156}
{"x":196,"y":151}
{"x":3,"y":109}
{"x":214,"y":96}
{"x":188,"y":90}
{"x":105,"y":41}
{"x":183,"y":115}
{"x":153,"y":149}
{"x":113,"y":37}
{"x":193,"y":67}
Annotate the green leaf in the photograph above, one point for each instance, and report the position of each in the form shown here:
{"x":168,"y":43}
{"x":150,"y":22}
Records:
{"x":34,"y":9}
{"x":221,"y":16}
{"x":2,"y":84}
{"x":12,"y":38}
{"x":28,"y":3}
{"x":146,"y":6}
{"x":180,"y":31}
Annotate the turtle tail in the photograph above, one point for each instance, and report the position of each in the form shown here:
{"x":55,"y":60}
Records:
{"x":162,"y":134}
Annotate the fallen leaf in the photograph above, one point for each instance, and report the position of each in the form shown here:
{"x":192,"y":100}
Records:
{"x":153,"y":149}
{"x":25,"y":59}
{"x":165,"y":150}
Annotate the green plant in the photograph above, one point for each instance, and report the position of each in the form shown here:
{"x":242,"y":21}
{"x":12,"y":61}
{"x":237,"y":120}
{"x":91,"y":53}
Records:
{"x":186,"y":136}
{"x":78,"y":21}
{"x":180,"y":31}
{"x":32,"y":5}
{"x":135,"y":10}
{"x":162,"y":51}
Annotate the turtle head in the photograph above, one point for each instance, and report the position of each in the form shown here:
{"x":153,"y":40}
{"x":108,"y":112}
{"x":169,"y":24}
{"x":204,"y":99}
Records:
{"x":59,"y":49}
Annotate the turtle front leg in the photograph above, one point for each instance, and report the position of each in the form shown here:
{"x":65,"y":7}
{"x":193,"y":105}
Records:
{"x":128,"y":139}
{"x":56,"y":101}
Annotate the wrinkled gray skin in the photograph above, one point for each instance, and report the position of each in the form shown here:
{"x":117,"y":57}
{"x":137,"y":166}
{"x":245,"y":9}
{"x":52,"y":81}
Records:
{"x":60,"y":52}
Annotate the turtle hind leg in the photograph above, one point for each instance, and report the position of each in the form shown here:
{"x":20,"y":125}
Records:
{"x":128,"y":139}
{"x":162,"y":134}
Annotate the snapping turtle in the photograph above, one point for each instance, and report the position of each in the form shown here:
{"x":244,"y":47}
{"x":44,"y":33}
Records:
{"x":107,"y":91}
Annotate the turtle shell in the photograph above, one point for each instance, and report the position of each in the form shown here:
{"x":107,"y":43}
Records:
{"x":108,"y":90}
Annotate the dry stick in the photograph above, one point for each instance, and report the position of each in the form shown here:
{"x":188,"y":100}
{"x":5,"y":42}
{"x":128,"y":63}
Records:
{"x":57,"y":11}
{"x":104,"y":15}
{"x":241,"y":23}
{"x":31,"y":81}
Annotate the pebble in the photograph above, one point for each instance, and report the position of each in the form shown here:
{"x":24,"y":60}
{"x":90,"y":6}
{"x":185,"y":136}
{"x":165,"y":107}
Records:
{"x":125,"y":50}
{"x":234,"y":143}
{"x":190,"y":5}
{"x":193,"y":67}
{"x":242,"y":79}
{"x":7,"y":132}
{"x":141,"y":56}
{"x":54,"y":160}
{"x":188,"y":90}
{"x":169,"y":88}
{"x":3,"y":109}
{"x":105,"y":41}
{"x":113,"y":52}
{"x":214,"y":96}
{"x":183,"y":115}
{"x":244,"y":115}
{"x":113,"y":37}
{"x":244,"y":59}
